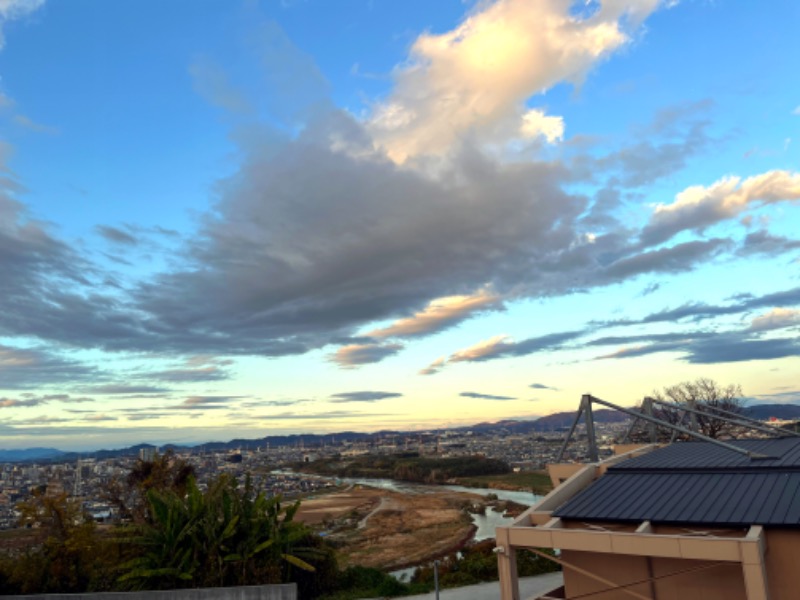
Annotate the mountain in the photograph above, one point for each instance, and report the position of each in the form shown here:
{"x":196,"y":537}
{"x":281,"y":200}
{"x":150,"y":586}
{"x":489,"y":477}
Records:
{"x":779,"y":411}
{"x":29,"y":454}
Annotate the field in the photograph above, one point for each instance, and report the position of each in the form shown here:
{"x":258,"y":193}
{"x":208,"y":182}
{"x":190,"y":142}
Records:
{"x":390,"y":530}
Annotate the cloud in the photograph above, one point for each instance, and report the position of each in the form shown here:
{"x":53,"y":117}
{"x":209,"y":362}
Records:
{"x":698,"y":207}
{"x":116,"y":236}
{"x":503,"y":346}
{"x":434,"y":367}
{"x":11,"y":10}
{"x":541,"y":386}
{"x":367,"y":396}
{"x":326,"y":416}
{"x":484,"y":396}
{"x":211,"y":81}
{"x":205,"y":402}
{"x":27,"y":367}
{"x":439,"y":314}
{"x":726,"y":347}
{"x":764,"y":243}
{"x":474,"y":81}
{"x":777,"y":318}
{"x":211,"y":373}
{"x":796,"y":111}
{"x":695,"y":311}
{"x":32,"y":125}
{"x":355,"y":355}
{"x":110,"y":389}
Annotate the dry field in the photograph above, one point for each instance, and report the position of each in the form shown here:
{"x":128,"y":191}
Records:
{"x":389,"y":530}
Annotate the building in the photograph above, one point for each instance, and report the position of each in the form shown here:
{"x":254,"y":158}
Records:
{"x":686,"y":521}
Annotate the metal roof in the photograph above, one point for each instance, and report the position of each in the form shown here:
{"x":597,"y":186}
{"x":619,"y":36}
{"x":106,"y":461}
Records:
{"x":784,"y":454}
{"x":698,"y":483}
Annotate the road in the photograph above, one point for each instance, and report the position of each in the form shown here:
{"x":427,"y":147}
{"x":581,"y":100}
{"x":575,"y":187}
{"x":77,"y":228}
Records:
{"x":529,"y":588}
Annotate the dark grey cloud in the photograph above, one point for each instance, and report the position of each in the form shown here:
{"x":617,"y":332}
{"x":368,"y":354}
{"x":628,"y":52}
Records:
{"x":734,"y":348}
{"x":211,"y":373}
{"x":541,"y":386}
{"x":366,"y":396}
{"x":206,"y":402}
{"x":116,"y":235}
{"x":696,"y":311}
{"x":721,"y":348}
{"x":259,"y":403}
{"x":485,"y":396}
{"x":332,"y":415}
{"x":764,"y":243}
{"x":121,"y":388}
{"x":32,"y":367}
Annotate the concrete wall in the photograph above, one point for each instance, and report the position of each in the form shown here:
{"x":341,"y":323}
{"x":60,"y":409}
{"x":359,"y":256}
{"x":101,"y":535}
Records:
{"x":722,"y":582}
{"x":286,"y":591}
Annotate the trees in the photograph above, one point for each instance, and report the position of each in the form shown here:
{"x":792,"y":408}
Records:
{"x":704,"y":395}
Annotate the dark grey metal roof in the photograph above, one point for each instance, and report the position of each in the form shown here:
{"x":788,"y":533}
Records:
{"x":784,"y":453}
{"x":698,"y":483}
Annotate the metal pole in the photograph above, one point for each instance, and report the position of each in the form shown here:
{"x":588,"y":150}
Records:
{"x":647,"y":408}
{"x":436,"y":577}
{"x":560,"y":456}
{"x":628,"y":433}
{"x":693,"y":434}
{"x":586,"y":404}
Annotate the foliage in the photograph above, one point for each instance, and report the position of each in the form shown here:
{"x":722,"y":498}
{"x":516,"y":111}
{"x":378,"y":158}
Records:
{"x":226,"y":536}
{"x":412,"y":468}
{"x":67,"y":554}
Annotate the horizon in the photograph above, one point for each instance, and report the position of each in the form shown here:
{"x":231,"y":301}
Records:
{"x":263,"y":218}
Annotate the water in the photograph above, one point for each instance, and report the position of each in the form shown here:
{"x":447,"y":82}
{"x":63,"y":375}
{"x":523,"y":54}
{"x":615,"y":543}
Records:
{"x":523,"y":498}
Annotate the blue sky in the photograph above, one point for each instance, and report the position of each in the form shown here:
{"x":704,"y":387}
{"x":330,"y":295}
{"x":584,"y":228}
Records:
{"x":227,"y":219}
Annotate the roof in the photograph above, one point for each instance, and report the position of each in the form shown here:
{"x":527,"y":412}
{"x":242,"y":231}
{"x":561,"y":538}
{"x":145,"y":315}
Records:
{"x":698,"y":483}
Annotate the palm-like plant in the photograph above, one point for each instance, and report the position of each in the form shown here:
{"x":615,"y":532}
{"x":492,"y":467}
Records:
{"x":225,"y":536}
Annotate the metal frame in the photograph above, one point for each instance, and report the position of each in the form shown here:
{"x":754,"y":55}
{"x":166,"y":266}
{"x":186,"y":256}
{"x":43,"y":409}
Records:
{"x":646,"y":414}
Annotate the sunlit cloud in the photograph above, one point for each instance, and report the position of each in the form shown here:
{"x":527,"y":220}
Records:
{"x":474,"y":81}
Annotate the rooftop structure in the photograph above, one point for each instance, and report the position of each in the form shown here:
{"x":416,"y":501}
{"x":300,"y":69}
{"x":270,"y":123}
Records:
{"x":690,"y":520}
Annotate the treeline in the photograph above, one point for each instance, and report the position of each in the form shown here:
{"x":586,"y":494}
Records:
{"x":408,"y":467}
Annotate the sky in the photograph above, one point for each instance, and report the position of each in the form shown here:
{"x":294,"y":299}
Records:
{"x":231,"y":218}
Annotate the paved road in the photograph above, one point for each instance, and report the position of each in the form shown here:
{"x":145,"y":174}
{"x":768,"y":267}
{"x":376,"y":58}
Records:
{"x":529,"y":588}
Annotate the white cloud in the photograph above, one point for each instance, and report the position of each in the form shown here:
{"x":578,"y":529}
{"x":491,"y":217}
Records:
{"x":474,"y":81}
{"x":440,"y":313}
{"x":15,"y":9}
{"x":796,"y":111}
{"x":698,"y":207}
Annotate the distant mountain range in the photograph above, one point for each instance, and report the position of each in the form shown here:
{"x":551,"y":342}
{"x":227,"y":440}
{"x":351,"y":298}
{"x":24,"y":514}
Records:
{"x":554,"y":422}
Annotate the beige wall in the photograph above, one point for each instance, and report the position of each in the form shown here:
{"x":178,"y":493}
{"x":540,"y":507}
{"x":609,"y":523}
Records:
{"x":722,"y":582}
{"x":782,"y":559}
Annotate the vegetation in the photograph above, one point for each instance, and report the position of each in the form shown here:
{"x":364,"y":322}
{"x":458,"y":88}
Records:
{"x":704,"y":395}
{"x":537,"y":482}
{"x":408,"y":467}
